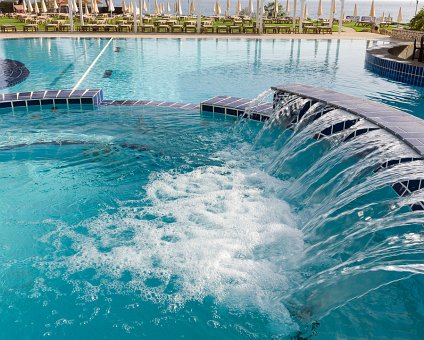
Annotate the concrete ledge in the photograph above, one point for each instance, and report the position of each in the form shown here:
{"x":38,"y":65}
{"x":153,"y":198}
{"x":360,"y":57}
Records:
{"x":404,"y":126}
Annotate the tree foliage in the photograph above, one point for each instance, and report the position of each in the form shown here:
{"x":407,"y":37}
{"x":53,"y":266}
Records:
{"x":417,"y":22}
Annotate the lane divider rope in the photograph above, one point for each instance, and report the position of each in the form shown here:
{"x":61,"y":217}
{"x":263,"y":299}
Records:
{"x":92,"y":65}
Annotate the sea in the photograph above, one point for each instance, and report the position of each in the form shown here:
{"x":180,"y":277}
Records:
{"x":383,"y":7}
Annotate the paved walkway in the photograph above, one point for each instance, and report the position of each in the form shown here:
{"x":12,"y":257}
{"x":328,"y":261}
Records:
{"x":349,"y":35}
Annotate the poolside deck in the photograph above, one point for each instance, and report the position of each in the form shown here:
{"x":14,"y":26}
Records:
{"x":120,"y":35}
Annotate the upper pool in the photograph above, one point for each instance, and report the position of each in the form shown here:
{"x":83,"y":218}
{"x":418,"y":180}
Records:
{"x":191,"y":69}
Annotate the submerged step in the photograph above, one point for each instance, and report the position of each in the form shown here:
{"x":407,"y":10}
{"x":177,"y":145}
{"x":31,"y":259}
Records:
{"x":239,"y":107}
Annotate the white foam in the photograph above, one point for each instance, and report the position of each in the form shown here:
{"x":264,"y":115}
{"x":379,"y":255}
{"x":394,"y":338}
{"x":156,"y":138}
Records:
{"x":216,"y":231}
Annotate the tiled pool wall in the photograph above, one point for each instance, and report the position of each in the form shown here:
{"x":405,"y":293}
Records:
{"x":238,"y":107}
{"x":404,"y":126}
{"x":79,"y":97}
{"x":56,"y":97}
{"x":379,"y":60}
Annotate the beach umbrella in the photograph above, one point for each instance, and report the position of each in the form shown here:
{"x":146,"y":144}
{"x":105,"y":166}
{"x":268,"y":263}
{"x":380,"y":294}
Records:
{"x":124,"y":7}
{"x":55,"y":6}
{"x":179,"y":9}
{"x":145,"y":6}
{"x":217,"y":8}
{"x":30,"y":9}
{"x":238,"y":7}
{"x":400,"y":16}
{"x":36,"y":9}
{"x":130,"y":7}
{"x":355,"y":10}
{"x":227,"y":12}
{"x":319,"y":12}
{"x":372,"y":9}
{"x":169,"y":8}
{"x":333,"y":7}
{"x":87,"y":12}
{"x":111,"y":7}
{"x":275,"y":8}
{"x":24,"y":6}
{"x":157,"y":10}
{"x":305,"y":13}
{"x":384,"y":15}
{"x":96,"y":8}
{"x":43,"y":7}
{"x":287,"y":8}
{"x":192,"y":9}
{"x":250,"y":8}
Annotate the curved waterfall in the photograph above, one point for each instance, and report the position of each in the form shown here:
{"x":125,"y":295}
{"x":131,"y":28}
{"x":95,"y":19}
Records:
{"x":356,"y":190}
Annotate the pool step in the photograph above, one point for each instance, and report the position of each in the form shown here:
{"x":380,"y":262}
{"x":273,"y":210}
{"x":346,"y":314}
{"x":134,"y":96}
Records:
{"x":235,"y":106}
{"x":152,"y":103}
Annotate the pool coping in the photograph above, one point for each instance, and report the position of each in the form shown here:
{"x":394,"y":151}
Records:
{"x":81,"y":97}
{"x":406,"y":127}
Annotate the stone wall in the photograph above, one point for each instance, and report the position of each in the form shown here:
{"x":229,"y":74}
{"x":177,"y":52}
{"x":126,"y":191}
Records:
{"x":402,"y":34}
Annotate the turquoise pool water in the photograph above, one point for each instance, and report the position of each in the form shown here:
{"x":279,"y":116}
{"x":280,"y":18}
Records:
{"x":138,"y":222}
{"x":120,"y":222}
{"x":192,"y":70}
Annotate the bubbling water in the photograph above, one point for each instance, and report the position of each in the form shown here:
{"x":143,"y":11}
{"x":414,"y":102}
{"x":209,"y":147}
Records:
{"x":217,"y":232}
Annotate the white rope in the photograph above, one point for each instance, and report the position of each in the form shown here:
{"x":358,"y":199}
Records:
{"x":91,"y":66}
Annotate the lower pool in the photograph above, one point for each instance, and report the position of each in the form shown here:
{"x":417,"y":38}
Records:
{"x":128,"y":222}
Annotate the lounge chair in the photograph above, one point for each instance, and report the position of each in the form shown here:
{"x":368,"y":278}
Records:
{"x":177,"y":28}
{"x":222,"y":29}
{"x":30,"y":27}
{"x":53,"y":27}
{"x":325,"y":29}
{"x":8,"y":28}
{"x":270,"y":29}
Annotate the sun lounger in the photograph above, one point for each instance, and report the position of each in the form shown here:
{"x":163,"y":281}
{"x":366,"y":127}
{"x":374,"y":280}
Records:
{"x":30,"y":27}
{"x":310,"y":29}
{"x":268,"y":29}
{"x":53,"y":27}
{"x":147,"y":28}
{"x":325,"y":29}
{"x":284,"y":29}
{"x":64,"y":27}
{"x":192,"y":28}
{"x":249,"y":29}
{"x":177,"y":28}
{"x":235,"y":29}
{"x":207,"y":29}
{"x":110,"y":28}
{"x":163,"y":29}
{"x":222,"y":29}
{"x":8,"y":28}
{"x":124,"y":27}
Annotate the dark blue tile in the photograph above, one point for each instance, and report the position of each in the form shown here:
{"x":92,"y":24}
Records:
{"x":19,"y":103}
{"x":33,"y":102}
{"x":5,"y":104}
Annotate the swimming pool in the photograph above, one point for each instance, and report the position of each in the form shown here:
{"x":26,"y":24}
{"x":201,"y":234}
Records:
{"x":145,"y":222}
{"x":126,"y":222}
{"x":192,"y":70}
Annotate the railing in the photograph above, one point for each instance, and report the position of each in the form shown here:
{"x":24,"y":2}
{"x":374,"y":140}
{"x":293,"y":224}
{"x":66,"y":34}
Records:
{"x":420,"y":48}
